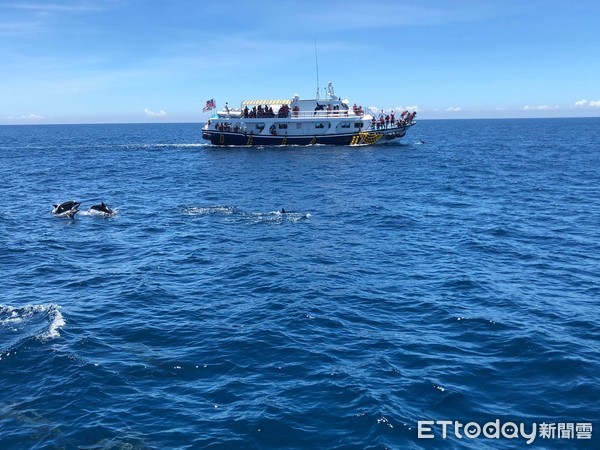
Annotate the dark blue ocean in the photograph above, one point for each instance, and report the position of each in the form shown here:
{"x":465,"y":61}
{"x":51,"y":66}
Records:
{"x":452,"y":276}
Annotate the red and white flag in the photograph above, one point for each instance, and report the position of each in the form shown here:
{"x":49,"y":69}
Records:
{"x":210,"y":104}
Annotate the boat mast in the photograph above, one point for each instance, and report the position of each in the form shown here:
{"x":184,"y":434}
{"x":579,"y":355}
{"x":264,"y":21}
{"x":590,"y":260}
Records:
{"x":317,"y":64}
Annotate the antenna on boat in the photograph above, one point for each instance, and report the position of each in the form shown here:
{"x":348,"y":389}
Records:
{"x":317,"y":64}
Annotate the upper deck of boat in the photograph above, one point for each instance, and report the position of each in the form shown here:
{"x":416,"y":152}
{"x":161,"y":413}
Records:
{"x":292,"y":109}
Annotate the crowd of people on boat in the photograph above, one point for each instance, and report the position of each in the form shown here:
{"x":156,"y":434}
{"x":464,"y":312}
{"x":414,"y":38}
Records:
{"x":389,"y":120}
{"x":265,"y":112}
{"x":285,"y":111}
{"x":358,"y":110}
{"x":335,"y":111}
{"x":226,"y":126}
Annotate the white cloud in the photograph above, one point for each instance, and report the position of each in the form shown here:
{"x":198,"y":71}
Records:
{"x":454,"y":109}
{"x":160,"y":113}
{"x":382,"y":13}
{"x":583,"y":103}
{"x":540,"y":108}
{"x":45,"y":7}
{"x":28,"y":117}
{"x":11,"y":29}
{"x":376,"y":110}
{"x":399,"y":109}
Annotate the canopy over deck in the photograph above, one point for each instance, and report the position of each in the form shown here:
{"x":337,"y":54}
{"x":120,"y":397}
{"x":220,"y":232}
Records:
{"x":266,"y":102}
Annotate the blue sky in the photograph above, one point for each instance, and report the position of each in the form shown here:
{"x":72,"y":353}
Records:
{"x":98,"y":61}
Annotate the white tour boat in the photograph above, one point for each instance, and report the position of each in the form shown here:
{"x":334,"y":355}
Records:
{"x":329,"y":121}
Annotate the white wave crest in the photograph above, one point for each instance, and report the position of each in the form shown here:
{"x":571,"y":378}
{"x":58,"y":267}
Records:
{"x":93,"y":212}
{"x":233,"y":214}
{"x":58,"y":322}
{"x":157,"y":145}
{"x":209,"y":210}
{"x":42,"y":321}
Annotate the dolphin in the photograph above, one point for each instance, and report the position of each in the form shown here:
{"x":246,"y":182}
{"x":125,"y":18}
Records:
{"x":101,"y":208}
{"x":66,"y":209}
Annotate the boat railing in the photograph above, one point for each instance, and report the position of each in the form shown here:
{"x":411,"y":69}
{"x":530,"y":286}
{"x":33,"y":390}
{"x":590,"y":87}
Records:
{"x":322,"y":114}
{"x":237,"y":114}
{"x":233,"y":113}
{"x":291,"y":115}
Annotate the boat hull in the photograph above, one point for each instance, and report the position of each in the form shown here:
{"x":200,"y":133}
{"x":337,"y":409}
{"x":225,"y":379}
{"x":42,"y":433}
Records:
{"x":228,"y":138}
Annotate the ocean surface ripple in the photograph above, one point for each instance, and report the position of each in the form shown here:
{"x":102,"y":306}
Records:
{"x":452,"y":276}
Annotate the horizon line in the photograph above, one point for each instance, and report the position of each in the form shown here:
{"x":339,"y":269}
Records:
{"x":202,"y":122}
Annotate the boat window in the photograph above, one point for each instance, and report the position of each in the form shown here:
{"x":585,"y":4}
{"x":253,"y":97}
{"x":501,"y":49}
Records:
{"x":345,"y":125}
{"x":322,"y":124}
{"x":358,"y":125}
{"x":283,"y":126}
{"x":260,"y":126}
